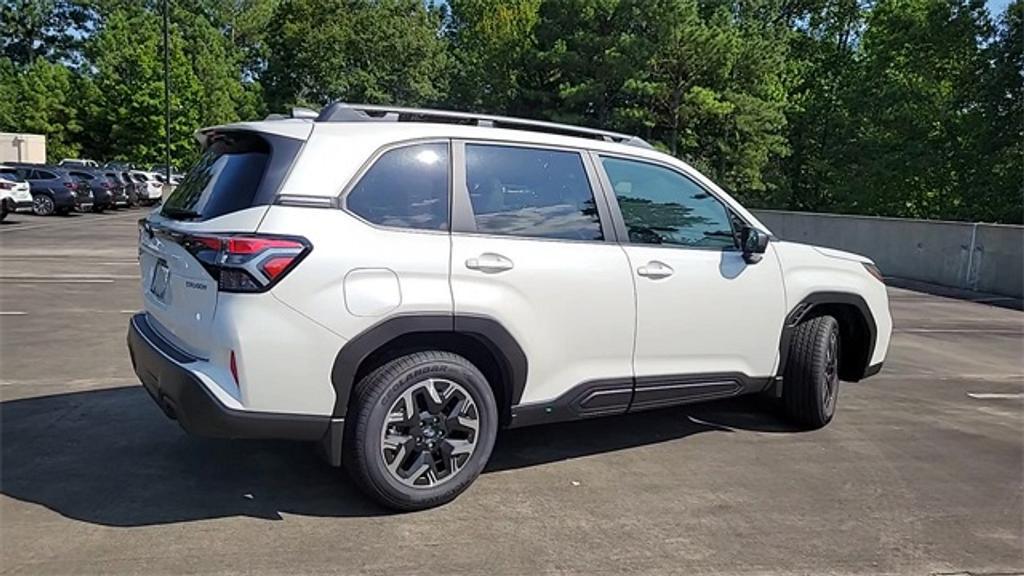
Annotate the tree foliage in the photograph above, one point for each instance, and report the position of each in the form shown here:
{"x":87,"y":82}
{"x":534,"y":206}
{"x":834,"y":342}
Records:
{"x":892,"y":107}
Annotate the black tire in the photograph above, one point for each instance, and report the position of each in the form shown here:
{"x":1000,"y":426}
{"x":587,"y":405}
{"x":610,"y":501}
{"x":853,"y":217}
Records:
{"x":43,"y":205}
{"x":376,"y":396}
{"x":810,"y":384}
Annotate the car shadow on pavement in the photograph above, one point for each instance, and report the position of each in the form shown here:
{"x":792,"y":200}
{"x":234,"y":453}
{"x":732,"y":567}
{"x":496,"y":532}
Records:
{"x":532,"y":446}
{"x":110,"y":457}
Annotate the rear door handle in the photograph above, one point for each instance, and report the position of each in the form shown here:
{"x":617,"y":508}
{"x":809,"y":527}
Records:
{"x":655,"y":270}
{"x":489,"y":262}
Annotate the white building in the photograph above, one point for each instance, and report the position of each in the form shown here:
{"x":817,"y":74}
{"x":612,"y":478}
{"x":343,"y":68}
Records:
{"x":22,"y":148}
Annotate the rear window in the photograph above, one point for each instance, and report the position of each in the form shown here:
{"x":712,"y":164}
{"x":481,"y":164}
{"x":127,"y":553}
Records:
{"x":237,"y":170}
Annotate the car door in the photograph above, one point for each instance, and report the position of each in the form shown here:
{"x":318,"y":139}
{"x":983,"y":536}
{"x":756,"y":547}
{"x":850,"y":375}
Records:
{"x":532,"y":248}
{"x":708,"y":322}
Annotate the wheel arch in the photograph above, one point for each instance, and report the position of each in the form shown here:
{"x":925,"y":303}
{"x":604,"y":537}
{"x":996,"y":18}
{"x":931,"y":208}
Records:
{"x":481,"y":339}
{"x":857,"y":330}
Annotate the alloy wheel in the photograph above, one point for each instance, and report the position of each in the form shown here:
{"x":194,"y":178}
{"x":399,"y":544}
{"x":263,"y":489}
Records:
{"x":430,"y":433}
{"x":831,"y":385}
{"x":42,"y":205}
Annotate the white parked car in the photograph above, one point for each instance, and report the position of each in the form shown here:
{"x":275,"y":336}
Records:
{"x":399,"y":284}
{"x":79,"y":163}
{"x":15,"y":192}
{"x":153,"y":189}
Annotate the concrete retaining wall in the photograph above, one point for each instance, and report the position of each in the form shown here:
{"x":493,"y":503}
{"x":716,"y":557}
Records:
{"x":979,"y":257}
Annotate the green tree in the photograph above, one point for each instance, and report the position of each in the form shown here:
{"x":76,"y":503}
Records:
{"x":492,"y":42}
{"x":51,"y":29}
{"x":383,"y":51}
{"x":39,"y":99}
{"x":998,"y":192}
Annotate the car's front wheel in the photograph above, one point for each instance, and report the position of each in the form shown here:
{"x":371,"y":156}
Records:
{"x":810,"y":383}
{"x":420,"y":430}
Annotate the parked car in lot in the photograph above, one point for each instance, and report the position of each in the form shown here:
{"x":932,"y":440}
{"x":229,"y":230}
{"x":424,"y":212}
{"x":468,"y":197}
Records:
{"x":105,"y":191}
{"x":54,"y":190}
{"x":136,"y":191}
{"x":152,"y":189}
{"x":78,"y":163}
{"x":121,"y":188}
{"x":15,"y":193}
{"x":452,"y":274}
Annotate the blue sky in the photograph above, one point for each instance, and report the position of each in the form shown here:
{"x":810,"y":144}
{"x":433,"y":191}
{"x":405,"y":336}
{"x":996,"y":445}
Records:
{"x":996,"y":7}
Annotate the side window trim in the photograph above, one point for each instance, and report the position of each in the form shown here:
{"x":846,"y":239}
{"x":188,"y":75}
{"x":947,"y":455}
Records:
{"x":464,"y":221}
{"x":619,"y":221}
{"x":342,"y":197}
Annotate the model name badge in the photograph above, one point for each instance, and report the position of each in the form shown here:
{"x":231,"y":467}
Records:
{"x":196,"y":285}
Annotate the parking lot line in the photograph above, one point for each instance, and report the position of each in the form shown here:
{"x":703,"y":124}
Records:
{"x":62,"y":223}
{"x":994,"y":396}
{"x":12,"y":313}
{"x":957,"y":331}
{"x":56,"y":281}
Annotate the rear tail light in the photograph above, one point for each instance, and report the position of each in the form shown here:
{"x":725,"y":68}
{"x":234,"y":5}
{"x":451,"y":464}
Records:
{"x":6,"y":185}
{"x":107,"y":185}
{"x":247,"y":262}
{"x":71,"y":185}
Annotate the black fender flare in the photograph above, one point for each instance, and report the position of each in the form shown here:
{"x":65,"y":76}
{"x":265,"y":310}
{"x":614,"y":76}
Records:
{"x":816,"y":300}
{"x":486,"y":330}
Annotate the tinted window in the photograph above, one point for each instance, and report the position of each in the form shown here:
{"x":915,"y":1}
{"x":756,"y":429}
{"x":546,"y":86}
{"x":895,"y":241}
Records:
{"x":82,"y":175}
{"x":531,"y":192}
{"x":236,"y":171}
{"x":661,"y":206}
{"x":406,"y":188}
{"x":43,"y":175}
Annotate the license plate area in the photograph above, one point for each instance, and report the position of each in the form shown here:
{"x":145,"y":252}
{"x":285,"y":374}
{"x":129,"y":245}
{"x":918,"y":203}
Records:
{"x":161,"y":277}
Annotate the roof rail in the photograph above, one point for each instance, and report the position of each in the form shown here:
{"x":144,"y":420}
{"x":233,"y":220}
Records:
{"x":297,"y":112}
{"x":345,"y":112}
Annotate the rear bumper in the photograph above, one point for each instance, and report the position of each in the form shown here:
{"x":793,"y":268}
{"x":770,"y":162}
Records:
{"x":181,"y":394}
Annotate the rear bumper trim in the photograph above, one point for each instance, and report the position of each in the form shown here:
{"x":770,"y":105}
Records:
{"x":163,"y":371}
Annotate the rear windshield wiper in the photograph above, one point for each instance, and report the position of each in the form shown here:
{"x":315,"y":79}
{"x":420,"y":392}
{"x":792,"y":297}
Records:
{"x":180,"y":213}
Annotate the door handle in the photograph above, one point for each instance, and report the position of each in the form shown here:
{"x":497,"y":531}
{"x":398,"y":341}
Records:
{"x":655,"y":270}
{"x":489,"y":262}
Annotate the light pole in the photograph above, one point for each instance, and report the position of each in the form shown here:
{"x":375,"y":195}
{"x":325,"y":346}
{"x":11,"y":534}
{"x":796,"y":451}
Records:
{"x":167,"y":94}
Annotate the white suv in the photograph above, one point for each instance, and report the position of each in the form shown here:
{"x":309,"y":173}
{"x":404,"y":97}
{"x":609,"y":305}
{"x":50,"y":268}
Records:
{"x":15,"y":192}
{"x":399,"y":284}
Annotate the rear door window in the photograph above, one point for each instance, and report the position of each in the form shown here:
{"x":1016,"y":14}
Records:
{"x":531,"y":192}
{"x":237,"y":170}
{"x":405,"y":188}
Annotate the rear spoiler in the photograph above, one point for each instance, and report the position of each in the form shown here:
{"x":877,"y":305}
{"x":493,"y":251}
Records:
{"x":294,"y":128}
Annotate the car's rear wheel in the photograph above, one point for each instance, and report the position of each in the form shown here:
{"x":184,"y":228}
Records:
{"x":810,"y":383}
{"x":42,"y":205}
{"x":420,"y":430}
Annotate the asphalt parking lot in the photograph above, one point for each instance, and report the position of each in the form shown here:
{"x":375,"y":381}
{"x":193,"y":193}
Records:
{"x":920,"y":473}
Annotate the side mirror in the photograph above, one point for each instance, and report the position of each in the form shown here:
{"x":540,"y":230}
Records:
{"x":754,"y":243}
